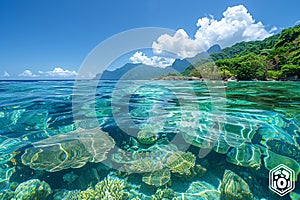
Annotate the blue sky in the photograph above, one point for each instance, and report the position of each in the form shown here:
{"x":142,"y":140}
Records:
{"x":54,"y":36}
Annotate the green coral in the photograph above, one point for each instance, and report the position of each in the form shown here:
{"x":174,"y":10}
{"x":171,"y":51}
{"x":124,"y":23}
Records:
{"x":233,"y":187}
{"x":89,"y":193}
{"x":245,"y":155}
{"x":32,"y":190}
{"x":146,"y":137}
{"x":157,"y":162}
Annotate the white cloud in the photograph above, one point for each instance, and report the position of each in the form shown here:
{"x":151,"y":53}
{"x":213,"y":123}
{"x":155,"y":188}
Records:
{"x":180,"y":43}
{"x":156,"y":61}
{"x":27,"y":73}
{"x":6,"y":74}
{"x":59,"y":72}
{"x":236,"y":25}
{"x":297,"y":22}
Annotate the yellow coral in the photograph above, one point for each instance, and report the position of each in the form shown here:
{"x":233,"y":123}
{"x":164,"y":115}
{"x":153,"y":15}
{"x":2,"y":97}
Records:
{"x":182,"y":162}
{"x":108,"y":189}
{"x":88,"y":194}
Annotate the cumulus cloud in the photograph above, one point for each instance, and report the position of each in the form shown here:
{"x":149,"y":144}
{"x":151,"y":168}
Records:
{"x":156,"y":61}
{"x":236,"y":25}
{"x":59,"y":72}
{"x":6,"y":74}
{"x":180,"y":43}
{"x":27,"y":73}
{"x":297,"y":22}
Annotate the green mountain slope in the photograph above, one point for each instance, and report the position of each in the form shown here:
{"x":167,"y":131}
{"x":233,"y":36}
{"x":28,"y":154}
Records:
{"x":276,"y":57}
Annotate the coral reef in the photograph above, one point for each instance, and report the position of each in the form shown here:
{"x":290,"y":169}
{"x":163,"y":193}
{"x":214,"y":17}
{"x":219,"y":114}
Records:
{"x":146,"y":137}
{"x":246,"y":155}
{"x":157,"y":178}
{"x":163,"y":194}
{"x":156,"y":162}
{"x":32,"y":190}
{"x":66,"y":195}
{"x":200,"y":190}
{"x":108,"y":189}
{"x":70,"y":150}
{"x":181,"y":162}
{"x":233,"y":187}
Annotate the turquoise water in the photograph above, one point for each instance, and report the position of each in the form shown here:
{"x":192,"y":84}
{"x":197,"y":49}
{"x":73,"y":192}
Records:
{"x":237,"y":126}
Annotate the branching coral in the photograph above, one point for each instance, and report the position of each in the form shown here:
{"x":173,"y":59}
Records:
{"x":108,"y":189}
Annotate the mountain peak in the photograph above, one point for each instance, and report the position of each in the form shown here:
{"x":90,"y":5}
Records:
{"x":214,"y":49}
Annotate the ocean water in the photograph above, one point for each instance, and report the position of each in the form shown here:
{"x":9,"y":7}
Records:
{"x":55,"y":131}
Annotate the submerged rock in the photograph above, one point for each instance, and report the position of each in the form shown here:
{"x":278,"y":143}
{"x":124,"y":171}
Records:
{"x":32,"y":190}
{"x":70,"y":150}
{"x":233,"y":187}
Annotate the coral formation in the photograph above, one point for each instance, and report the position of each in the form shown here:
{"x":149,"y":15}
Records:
{"x":146,"y":137}
{"x":66,"y":195}
{"x":233,"y":187}
{"x":181,"y":162}
{"x":163,"y":194}
{"x":32,"y":190}
{"x":157,"y":178}
{"x":246,"y":155}
{"x":108,"y":189}
{"x":200,"y":190}
{"x":70,"y":150}
{"x":157,"y":161}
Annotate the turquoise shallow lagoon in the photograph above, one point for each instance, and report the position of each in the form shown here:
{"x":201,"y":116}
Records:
{"x":146,"y":139}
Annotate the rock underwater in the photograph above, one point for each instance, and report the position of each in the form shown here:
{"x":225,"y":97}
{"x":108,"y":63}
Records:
{"x":69,"y":150}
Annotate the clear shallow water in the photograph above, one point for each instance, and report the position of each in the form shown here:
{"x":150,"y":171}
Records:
{"x":197,"y":112}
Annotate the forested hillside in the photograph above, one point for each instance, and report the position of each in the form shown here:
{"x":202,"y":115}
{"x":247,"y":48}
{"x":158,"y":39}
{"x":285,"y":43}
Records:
{"x":277,"y":57}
